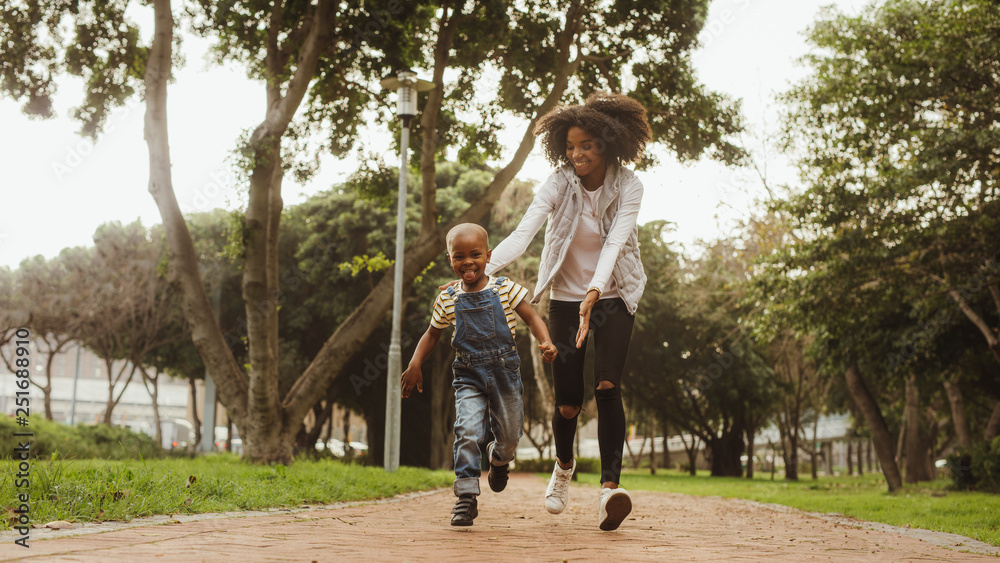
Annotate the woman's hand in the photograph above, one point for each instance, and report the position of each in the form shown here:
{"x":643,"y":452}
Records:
{"x":449,"y":284}
{"x":585,"y":308}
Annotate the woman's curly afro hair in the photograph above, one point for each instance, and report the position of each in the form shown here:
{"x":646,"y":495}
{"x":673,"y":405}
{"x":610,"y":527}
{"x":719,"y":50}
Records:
{"x":617,"y":121}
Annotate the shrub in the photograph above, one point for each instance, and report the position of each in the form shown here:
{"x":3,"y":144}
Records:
{"x":81,"y":441}
{"x":977,"y":468}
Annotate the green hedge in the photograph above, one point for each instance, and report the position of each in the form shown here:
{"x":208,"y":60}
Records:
{"x":977,"y":468}
{"x":76,"y":442}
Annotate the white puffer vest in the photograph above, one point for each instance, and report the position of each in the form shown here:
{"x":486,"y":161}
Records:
{"x":562,"y":223}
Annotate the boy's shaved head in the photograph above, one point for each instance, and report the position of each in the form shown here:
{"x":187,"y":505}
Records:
{"x":467,"y":230}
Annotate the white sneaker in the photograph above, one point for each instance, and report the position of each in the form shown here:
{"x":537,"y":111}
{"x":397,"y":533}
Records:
{"x":557,"y":493}
{"x":615,"y":507}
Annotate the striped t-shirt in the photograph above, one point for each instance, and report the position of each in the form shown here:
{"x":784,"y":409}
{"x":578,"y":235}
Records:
{"x":511,"y":295}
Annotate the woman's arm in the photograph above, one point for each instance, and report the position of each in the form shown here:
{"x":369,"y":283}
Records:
{"x":621,"y":229}
{"x":518,"y":241}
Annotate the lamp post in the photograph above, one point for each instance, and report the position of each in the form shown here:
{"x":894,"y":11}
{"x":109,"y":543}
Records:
{"x":406,"y":85}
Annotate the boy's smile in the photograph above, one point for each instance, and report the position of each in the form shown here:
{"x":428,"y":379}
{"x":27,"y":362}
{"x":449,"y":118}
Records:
{"x":469,"y":254}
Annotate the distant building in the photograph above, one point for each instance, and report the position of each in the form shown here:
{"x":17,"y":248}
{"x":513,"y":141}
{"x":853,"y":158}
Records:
{"x":78,"y":372}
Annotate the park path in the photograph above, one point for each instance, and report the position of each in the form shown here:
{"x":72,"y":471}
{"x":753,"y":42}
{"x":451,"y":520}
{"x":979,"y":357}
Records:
{"x":512,"y":526}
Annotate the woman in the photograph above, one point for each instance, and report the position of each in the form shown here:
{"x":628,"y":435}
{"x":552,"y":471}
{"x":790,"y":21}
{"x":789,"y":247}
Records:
{"x":590,"y":265}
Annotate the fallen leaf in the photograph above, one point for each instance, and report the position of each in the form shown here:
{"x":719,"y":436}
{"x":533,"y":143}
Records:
{"x":59,"y":525}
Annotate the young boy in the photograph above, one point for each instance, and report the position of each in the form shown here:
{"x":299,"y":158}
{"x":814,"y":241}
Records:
{"x":487,"y":367}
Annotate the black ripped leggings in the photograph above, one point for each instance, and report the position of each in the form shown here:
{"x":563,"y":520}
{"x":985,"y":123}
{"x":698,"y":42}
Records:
{"x":611,"y":326}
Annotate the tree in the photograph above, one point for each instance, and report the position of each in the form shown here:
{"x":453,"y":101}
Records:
{"x":692,"y":364}
{"x":129,"y":304}
{"x":322,"y":58}
{"x":47,"y":291}
{"x":904,"y":160}
{"x":13,"y":314}
{"x":902,"y":190}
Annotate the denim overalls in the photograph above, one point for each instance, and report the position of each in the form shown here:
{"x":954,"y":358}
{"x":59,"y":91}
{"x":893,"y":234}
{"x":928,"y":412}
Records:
{"x":487,"y":382}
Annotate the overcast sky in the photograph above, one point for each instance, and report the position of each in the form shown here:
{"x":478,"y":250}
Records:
{"x":58,"y":188}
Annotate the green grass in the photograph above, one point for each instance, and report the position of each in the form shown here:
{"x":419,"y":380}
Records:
{"x":97,"y":490}
{"x":975,"y":515}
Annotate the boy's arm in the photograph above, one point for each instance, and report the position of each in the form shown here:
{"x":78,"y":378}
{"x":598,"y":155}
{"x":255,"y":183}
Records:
{"x":413,"y":377}
{"x":537,"y":328}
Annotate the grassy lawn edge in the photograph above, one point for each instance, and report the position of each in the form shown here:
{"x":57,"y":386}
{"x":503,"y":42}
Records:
{"x":102,"y":491}
{"x":929,"y":506}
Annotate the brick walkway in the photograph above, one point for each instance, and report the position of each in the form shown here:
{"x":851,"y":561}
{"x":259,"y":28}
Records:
{"x":512,"y":526}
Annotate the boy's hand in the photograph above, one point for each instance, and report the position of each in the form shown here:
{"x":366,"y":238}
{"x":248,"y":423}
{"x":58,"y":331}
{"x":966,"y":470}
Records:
{"x":411,"y":378}
{"x":548,"y":351}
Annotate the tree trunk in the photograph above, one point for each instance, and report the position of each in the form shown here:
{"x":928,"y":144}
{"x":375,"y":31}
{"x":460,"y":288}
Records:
{"x":828,"y":454}
{"x":868,"y":455}
{"x":442,"y":408}
{"x":956,"y":403}
{"x":750,"y":451}
{"x":813,"y":457}
{"x":774,"y":458}
{"x":873,"y":417}
{"x":183,"y":270}
{"x":193,"y":398}
{"x":347,"y":431}
{"x":901,"y":439}
{"x":152,"y":385}
{"x":322,"y":412}
{"x":861,"y":462}
{"x":692,"y":454}
{"x":993,"y":425}
{"x":666,"y":447}
{"x":726,"y":452}
{"x":47,"y":389}
{"x":850,"y":456}
{"x":652,"y":446}
{"x":791,"y":453}
{"x":992,"y":341}
{"x":548,"y":401}
{"x":916,"y":451}
{"x":113,"y":381}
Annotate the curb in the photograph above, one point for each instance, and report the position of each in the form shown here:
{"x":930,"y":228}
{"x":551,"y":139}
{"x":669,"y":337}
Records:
{"x":87,"y":528}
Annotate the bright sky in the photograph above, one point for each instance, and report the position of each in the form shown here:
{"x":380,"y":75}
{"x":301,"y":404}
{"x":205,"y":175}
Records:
{"x":58,"y":188}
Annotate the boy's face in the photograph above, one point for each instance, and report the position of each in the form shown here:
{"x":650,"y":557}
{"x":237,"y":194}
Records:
{"x":469,"y":254}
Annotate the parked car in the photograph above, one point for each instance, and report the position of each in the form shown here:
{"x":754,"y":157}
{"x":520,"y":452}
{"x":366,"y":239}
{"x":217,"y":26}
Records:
{"x":335,"y":446}
{"x":177,"y":433}
{"x":360,"y":448}
{"x":222,"y":434}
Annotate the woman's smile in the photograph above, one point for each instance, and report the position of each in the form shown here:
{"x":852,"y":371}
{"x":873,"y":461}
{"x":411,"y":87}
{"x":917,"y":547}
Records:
{"x":586,"y":154}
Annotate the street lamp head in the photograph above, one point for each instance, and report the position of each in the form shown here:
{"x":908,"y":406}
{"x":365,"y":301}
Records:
{"x":406,"y":85}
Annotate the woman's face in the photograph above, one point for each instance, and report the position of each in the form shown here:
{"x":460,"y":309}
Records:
{"x":585,"y":152}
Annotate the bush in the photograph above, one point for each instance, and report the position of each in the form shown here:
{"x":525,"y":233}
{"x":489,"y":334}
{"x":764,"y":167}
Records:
{"x":977,"y":468}
{"x":78,"y":442}
{"x":583,"y":465}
